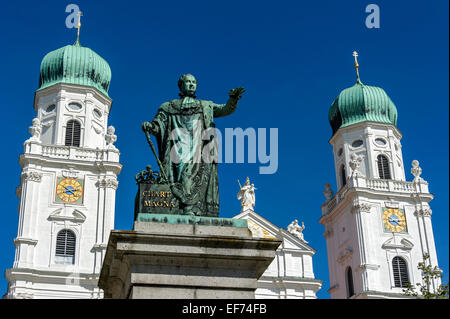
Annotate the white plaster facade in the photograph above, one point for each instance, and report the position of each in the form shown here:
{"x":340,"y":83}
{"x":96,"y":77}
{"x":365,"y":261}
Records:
{"x":354,"y":230}
{"x":36,"y":273}
{"x":290,"y":275}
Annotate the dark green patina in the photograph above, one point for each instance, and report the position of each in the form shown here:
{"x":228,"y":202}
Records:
{"x":188,"y":187}
{"x":75,"y":64}
{"x":153,"y":198}
{"x":192,"y":220}
{"x":361,"y":103}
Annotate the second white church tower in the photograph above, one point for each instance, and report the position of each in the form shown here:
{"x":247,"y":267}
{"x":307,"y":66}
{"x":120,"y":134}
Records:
{"x":377,"y":225}
{"x":68,"y":181}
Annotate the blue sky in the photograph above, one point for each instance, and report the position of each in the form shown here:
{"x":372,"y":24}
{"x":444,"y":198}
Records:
{"x":293,"y":58}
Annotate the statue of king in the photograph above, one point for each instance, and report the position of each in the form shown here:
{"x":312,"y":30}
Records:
{"x":187,"y":146}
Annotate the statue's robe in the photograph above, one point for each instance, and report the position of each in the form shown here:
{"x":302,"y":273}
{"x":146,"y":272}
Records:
{"x":181,"y":139}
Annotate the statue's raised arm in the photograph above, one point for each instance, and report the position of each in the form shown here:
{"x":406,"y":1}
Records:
{"x":226,"y":109}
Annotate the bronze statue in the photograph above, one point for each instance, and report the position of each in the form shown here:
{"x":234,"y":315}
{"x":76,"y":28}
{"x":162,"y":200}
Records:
{"x":187,"y":149}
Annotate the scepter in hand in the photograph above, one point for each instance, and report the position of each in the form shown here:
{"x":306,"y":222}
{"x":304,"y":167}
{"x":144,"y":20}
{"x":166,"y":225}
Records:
{"x":145,"y":127}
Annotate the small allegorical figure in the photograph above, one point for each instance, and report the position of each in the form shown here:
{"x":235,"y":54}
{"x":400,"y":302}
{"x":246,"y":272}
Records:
{"x":247,"y":195}
{"x":295,"y":229}
{"x":35,"y":130}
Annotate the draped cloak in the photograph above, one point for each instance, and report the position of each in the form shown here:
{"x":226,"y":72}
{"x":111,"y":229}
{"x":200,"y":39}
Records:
{"x":187,"y":149}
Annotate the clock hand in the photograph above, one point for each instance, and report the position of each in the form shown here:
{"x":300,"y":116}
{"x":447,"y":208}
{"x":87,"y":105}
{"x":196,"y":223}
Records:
{"x":69,"y":191}
{"x":394,"y":221}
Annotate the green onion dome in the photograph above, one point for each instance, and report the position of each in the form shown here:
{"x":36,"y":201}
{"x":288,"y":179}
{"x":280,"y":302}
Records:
{"x":75,"y":64}
{"x":361,"y":103}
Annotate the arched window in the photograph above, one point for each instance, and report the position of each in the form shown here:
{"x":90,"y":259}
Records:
{"x":349,"y":279}
{"x":73,"y":132}
{"x":343,"y":176}
{"x":400,"y":270}
{"x":65,"y":247}
{"x":383,"y":167}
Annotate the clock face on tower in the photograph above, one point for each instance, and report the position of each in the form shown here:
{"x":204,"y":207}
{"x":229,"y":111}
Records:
{"x":394,"y":220}
{"x":69,"y":190}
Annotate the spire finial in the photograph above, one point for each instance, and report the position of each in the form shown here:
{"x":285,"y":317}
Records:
{"x":78,"y":27}
{"x":355,"y":54}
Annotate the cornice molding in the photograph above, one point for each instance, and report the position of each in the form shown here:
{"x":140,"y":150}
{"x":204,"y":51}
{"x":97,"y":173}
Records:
{"x":76,"y":216}
{"x":392,"y":244}
{"x":23,"y":240}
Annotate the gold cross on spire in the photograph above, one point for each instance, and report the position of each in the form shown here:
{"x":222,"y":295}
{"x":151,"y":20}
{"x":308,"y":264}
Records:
{"x":355,"y":54}
{"x":79,"y":26}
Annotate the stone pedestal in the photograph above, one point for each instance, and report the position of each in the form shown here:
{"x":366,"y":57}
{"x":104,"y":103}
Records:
{"x":162,"y":261}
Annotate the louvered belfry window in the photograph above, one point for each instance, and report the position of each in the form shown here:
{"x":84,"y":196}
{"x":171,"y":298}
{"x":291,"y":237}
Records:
{"x":383,"y":167}
{"x":65,"y":247}
{"x":343,"y":176}
{"x":350,"y":288}
{"x":73,"y":132}
{"x":400,"y":269}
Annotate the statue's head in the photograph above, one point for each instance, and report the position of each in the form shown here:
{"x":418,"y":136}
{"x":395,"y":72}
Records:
{"x":187,"y":85}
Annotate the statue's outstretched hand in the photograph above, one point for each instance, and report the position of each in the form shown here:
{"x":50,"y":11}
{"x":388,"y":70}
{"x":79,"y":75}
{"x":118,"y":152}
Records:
{"x":236,"y":93}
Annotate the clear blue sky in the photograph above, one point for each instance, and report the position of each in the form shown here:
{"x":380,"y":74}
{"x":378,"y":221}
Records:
{"x":293,"y":58}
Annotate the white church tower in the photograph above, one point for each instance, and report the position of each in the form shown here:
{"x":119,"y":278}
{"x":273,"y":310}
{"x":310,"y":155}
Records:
{"x":68,"y":181}
{"x":377,"y":225}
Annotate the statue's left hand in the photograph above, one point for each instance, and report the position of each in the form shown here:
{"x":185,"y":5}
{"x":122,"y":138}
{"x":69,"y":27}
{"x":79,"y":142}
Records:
{"x":236,"y":93}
